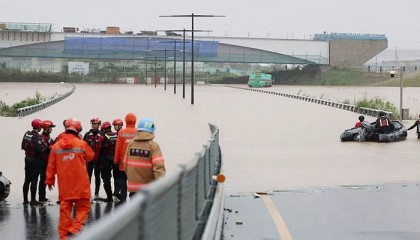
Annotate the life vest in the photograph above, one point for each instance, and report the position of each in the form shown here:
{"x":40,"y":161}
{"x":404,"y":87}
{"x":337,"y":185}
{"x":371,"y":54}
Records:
{"x":47,"y":141}
{"x":383,"y":122}
{"x":27,"y":141}
{"x":93,"y":139}
{"x":31,"y":143}
{"x":109,"y":140}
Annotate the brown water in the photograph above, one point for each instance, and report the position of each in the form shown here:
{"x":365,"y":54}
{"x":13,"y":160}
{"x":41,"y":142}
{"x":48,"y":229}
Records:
{"x":11,"y":93}
{"x":268,"y":142}
{"x":411,"y":97}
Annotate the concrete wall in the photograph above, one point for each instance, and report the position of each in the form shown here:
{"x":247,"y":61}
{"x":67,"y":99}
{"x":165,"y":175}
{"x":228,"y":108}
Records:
{"x":354,"y":53}
{"x":19,"y":38}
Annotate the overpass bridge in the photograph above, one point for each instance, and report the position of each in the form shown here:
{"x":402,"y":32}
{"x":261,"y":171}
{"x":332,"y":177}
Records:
{"x":343,"y":50}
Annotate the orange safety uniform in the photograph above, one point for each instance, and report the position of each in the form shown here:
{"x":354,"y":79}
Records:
{"x":143,"y":161}
{"x":62,"y":134}
{"x":68,"y":160}
{"x":125,"y":136}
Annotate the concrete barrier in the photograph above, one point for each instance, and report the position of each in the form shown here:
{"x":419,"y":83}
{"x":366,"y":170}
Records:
{"x":21,"y":112}
{"x":343,"y":106}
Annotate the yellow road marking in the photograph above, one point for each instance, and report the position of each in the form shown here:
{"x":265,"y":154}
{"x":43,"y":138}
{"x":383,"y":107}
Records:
{"x":278,"y":220}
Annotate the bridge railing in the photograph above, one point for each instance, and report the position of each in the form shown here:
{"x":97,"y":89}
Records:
{"x":345,"y":106}
{"x":21,"y":112}
{"x":184,"y":205}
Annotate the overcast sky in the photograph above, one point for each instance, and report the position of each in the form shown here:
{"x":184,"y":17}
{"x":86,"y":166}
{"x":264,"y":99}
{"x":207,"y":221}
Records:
{"x":398,"y":20}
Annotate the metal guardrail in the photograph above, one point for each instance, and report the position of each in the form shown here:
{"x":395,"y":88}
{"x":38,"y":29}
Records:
{"x":185,"y":205}
{"x":21,"y":112}
{"x":356,"y":36}
{"x":25,"y":27}
{"x":345,"y":106}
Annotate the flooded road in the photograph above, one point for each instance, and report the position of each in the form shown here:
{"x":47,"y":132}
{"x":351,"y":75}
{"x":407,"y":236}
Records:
{"x":411,"y":97}
{"x":12,"y":93}
{"x":269,"y":143}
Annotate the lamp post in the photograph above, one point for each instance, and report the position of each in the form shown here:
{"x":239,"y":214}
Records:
{"x":192,"y":15}
{"x":401,"y":93}
{"x":183,"y":55}
{"x":392,"y":74}
{"x":155,"y":68}
{"x":174,"y":50}
{"x":156,"y":58}
{"x":183,"y":63}
{"x":155,"y":74}
{"x":146,"y":72}
{"x":174,"y":66}
{"x":165,"y":70}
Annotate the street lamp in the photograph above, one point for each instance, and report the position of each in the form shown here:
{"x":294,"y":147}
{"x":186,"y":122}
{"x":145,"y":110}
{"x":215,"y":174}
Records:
{"x":183,"y":63}
{"x":146,"y":59}
{"x":192,"y":15}
{"x":146,"y":72}
{"x":155,"y":74}
{"x":174,"y":42}
{"x":392,"y":74}
{"x":165,"y":59}
{"x":165,"y":70}
{"x":183,"y":55}
{"x":174,"y":66}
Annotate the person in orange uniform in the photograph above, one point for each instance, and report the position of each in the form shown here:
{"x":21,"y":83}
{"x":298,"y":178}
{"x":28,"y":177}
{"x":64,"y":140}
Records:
{"x":143,"y":159}
{"x":62,"y":133}
{"x":67,"y":160}
{"x":125,"y":136}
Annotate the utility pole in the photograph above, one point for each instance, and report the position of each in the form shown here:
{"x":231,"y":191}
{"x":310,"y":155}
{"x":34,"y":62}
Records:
{"x":192,"y":15}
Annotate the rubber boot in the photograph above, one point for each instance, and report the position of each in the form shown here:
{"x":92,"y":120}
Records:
{"x":25,"y":193}
{"x":34,"y":202}
{"x":108,"y":192}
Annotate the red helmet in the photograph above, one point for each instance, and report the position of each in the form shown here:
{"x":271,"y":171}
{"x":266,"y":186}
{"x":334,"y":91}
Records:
{"x":105,"y":125}
{"x":47,"y":124}
{"x":95,"y":120}
{"x":73,"y":125}
{"x":36,"y":123}
{"x":118,"y":122}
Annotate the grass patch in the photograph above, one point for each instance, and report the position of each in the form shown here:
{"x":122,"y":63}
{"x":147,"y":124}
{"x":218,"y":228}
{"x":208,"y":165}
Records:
{"x":380,"y":104}
{"x":11,"y":111}
{"x":341,"y":77}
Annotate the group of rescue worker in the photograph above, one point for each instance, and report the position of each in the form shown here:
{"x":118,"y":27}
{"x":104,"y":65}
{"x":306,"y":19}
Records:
{"x":128,"y":154}
{"x":382,"y":124}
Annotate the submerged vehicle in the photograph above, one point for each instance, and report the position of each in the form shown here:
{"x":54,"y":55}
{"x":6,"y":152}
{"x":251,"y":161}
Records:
{"x":258,"y":80}
{"x":4,"y":187}
{"x":366,"y":133}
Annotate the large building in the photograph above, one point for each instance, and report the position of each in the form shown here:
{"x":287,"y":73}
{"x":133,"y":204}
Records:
{"x":33,"y":43}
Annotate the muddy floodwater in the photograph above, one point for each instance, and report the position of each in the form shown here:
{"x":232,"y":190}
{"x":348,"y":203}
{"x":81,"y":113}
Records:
{"x":268,"y":142}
